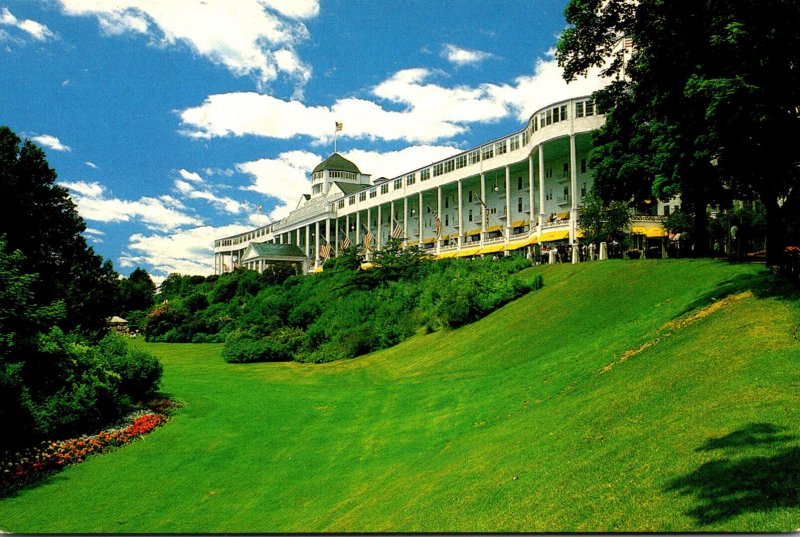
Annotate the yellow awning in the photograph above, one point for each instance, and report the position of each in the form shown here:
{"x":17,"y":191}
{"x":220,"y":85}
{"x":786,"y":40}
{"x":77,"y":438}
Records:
{"x":638,"y":230}
{"x":520,"y":223}
{"x":317,"y":270}
{"x":579,"y":234}
{"x":474,"y":231}
{"x":555,"y":235}
{"x":563,"y":216}
{"x":468,"y":252}
{"x":446,"y":255}
{"x":493,"y":228}
{"x":365,"y":266}
{"x":521,"y":243}
{"x":656,"y":232}
{"x":492,"y":248}
{"x":429,"y":241}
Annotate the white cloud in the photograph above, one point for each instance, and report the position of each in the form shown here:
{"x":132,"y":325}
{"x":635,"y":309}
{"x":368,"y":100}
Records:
{"x":38,"y":31}
{"x":92,"y":231}
{"x":188,"y":251}
{"x":531,"y":92}
{"x":190,"y":176}
{"x":50,"y":141}
{"x":92,"y":165}
{"x":462,"y":56}
{"x":284,"y":178}
{"x":156,"y":213}
{"x":430,"y":112}
{"x":248,"y":37}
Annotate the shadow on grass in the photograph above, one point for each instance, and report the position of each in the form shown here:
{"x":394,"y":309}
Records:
{"x":763,"y":285}
{"x":735,"y":485}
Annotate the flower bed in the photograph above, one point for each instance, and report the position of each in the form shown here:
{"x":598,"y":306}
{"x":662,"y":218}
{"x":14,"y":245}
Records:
{"x":19,"y":468}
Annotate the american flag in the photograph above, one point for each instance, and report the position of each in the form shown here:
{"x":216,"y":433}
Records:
{"x":225,"y":267}
{"x":368,"y":240}
{"x":397,"y":232}
{"x":339,"y":126}
{"x":437,"y":222}
{"x":346,"y":243}
{"x":325,"y":251}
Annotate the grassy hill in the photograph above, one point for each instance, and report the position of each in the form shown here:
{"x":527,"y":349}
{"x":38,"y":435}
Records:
{"x":623,"y":396}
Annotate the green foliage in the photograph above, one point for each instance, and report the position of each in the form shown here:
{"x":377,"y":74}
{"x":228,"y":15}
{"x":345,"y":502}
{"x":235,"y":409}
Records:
{"x":603,"y":221}
{"x":704,"y":106}
{"x":136,"y":292}
{"x":340,"y":313}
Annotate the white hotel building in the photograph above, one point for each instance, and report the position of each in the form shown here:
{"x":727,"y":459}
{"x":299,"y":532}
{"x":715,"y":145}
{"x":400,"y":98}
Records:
{"x":497,"y":199}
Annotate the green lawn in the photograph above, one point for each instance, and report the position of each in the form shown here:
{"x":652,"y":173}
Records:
{"x":533,"y":419}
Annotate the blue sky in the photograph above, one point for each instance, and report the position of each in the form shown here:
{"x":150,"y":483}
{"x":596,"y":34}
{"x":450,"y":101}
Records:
{"x":172,"y":121}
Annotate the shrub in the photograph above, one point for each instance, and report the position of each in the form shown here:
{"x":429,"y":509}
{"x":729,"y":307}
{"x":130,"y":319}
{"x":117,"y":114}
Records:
{"x":280,"y":346}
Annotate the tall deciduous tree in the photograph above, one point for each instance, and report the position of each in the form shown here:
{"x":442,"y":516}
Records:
{"x":40,"y":220}
{"x":708,"y":96}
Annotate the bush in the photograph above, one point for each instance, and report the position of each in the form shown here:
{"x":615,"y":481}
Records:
{"x":280,"y":346}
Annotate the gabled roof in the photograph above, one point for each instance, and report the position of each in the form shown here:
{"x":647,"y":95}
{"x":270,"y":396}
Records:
{"x":265,"y":249}
{"x":349,"y":188}
{"x":336,"y":162}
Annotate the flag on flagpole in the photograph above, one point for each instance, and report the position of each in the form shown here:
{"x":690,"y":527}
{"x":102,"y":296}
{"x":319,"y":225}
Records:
{"x":225,"y":267}
{"x":346,"y":243}
{"x":339,"y":126}
{"x":437,"y":224}
{"x":324,"y":250}
{"x":397,"y":232}
{"x":368,"y":240}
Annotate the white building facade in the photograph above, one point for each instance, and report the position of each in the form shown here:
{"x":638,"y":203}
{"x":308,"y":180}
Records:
{"x":499,"y":198}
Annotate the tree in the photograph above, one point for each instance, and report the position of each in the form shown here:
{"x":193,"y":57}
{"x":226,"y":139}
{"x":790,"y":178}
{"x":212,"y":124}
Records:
{"x":40,"y":220}
{"x":604,"y":222}
{"x":710,"y":90}
{"x":136,"y":292}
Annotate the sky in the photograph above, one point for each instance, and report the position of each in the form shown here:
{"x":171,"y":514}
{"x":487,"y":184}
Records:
{"x":176,"y":122}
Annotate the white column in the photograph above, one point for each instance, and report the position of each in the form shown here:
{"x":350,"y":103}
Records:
{"x":531,"y":213}
{"x":308,"y":240}
{"x":391,"y":219}
{"x":483,"y":209}
{"x":439,"y":214}
{"x":541,"y":188}
{"x":419,"y":218}
{"x":316,"y":243}
{"x":573,"y":186}
{"x":405,"y":221}
{"x":336,"y":232}
{"x":378,"y":241}
{"x":358,"y":226}
{"x":299,"y":244}
{"x":508,"y":203}
{"x":460,"y":217}
{"x":347,"y":226}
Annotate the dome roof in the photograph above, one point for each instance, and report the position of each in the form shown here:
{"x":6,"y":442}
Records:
{"x":336,"y":162}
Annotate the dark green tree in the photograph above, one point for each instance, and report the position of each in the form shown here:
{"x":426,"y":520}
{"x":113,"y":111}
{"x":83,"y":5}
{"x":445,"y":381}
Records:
{"x":602,"y":221}
{"x":40,"y":220}
{"x":708,"y":94}
{"x":136,"y":292}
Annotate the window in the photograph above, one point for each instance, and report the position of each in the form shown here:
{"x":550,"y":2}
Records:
{"x":579,"y":109}
{"x":447,"y":202}
{"x":411,"y":178}
{"x":449,"y":166}
{"x":666,"y":210}
{"x":398,"y":184}
{"x":563,"y":112}
{"x":438,"y":169}
{"x":385,"y":188}
{"x":519,"y":205}
{"x":583,"y":190}
{"x":351,"y":200}
{"x":469,"y":215}
{"x":316,"y":189}
{"x":519,"y":183}
{"x":566,"y":192}
{"x":373,"y":193}
{"x":583,"y":165}
{"x":549,"y":194}
{"x":514,"y":141}
{"x":461,"y":161}
{"x":548,"y":172}
{"x":566,"y":169}
{"x":556,"y":117}
{"x":589,"y":108}
{"x":500,"y":147}
{"x":429,"y":209}
{"x":548,"y":117}
{"x":469,"y":196}
{"x":425,"y":174}
{"x":535,"y":123}
{"x":526,"y":138}
{"x":362,"y":196}
{"x":474,"y":156}
{"x":447,"y":219}
{"x":488,"y":152}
